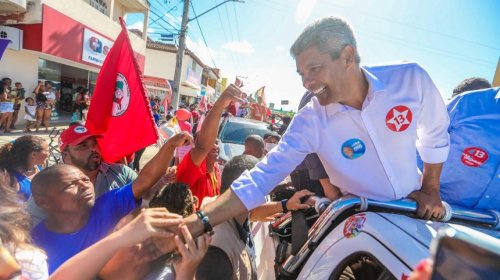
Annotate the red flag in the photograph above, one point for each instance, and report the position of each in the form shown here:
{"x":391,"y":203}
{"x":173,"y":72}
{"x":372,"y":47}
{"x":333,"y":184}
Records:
{"x":120,"y":109}
{"x":260,"y":93}
{"x":167,"y":99}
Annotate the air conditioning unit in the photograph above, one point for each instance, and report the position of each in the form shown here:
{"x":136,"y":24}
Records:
{"x":15,"y":35}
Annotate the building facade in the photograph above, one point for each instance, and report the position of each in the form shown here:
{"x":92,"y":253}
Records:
{"x":64,"y":42}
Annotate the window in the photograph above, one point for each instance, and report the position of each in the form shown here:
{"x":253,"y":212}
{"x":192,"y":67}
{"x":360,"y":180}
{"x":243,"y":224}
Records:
{"x":361,"y":265}
{"x":193,"y":66}
{"x":99,"y":5}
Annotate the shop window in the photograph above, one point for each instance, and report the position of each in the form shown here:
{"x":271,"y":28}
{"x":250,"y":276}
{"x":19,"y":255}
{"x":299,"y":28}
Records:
{"x":49,"y":70}
{"x":99,"y":5}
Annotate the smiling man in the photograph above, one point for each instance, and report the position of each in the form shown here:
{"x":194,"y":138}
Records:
{"x":380,"y":114}
{"x":79,"y":148}
{"x":75,"y":218}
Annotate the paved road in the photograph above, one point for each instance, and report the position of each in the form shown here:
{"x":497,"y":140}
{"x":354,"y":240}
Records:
{"x":5,"y":138}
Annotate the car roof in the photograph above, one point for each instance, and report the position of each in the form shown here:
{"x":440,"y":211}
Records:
{"x":244,"y":120}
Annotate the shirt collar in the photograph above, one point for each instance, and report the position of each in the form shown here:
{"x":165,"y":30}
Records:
{"x":375,"y":85}
{"x":103,"y":168}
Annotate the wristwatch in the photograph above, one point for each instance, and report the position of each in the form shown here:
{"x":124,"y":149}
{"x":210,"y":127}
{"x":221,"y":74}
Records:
{"x":207,"y":227}
{"x":283,"y":205}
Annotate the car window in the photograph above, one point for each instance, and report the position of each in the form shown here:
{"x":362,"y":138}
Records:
{"x":236,"y":133}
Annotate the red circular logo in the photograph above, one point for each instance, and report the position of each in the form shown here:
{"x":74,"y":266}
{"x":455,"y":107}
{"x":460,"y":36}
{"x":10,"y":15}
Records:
{"x":474,"y":156}
{"x":398,"y":118}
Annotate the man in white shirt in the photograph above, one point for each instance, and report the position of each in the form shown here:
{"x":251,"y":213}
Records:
{"x":365,"y":124}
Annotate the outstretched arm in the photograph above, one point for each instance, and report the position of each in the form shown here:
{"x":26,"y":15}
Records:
{"x":208,"y":133}
{"x":157,"y":166}
{"x":88,"y":263}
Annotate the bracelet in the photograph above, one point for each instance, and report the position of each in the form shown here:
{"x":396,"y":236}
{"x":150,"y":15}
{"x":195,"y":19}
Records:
{"x":283,"y":205}
{"x":207,"y":227}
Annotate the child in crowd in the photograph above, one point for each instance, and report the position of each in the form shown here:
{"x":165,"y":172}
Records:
{"x":30,"y":116}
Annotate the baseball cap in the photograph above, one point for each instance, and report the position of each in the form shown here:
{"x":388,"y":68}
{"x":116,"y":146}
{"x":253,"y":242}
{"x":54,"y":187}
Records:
{"x":75,"y":135}
{"x":272,"y":134}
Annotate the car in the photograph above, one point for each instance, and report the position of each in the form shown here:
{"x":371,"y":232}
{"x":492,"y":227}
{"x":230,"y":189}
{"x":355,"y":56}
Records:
{"x":232,"y":134}
{"x":356,"y":238}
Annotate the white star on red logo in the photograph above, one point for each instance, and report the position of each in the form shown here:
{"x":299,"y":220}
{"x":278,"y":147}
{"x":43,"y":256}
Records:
{"x":398,"y":118}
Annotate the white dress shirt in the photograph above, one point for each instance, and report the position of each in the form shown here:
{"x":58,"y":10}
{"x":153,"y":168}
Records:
{"x":403,"y":111}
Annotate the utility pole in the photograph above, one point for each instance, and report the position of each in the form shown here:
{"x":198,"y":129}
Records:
{"x":182,"y":48}
{"x":180,"y":56}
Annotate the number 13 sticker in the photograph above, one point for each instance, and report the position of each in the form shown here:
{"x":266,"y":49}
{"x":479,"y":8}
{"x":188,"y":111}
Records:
{"x":474,"y":156}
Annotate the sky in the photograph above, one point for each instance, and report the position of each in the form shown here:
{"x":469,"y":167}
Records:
{"x":451,"y":39}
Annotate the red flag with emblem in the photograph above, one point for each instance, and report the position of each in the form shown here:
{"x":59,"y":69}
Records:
{"x":120,"y":109}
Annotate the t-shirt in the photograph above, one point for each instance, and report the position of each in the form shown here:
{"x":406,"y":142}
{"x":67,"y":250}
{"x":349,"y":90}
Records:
{"x":201,"y":183}
{"x":109,"y":208}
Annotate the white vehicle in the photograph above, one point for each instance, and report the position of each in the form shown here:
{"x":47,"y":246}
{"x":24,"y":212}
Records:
{"x":356,"y":238}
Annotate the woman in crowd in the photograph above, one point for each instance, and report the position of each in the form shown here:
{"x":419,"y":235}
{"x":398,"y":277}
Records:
{"x":82,"y":102}
{"x":19,"y":256}
{"x":41,"y":103}
{"x":50,"y":104}
{"x":6,"y":104}
{"x":22,"y":159}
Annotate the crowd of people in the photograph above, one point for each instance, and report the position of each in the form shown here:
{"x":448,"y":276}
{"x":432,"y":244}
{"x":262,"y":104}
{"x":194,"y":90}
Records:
{"x":182,"y":216}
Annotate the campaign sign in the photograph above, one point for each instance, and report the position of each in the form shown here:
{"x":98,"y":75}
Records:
{"x":95,"y":47}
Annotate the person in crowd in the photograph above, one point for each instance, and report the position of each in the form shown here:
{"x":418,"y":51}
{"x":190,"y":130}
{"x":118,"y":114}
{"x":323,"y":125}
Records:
{"x":149,"y":223}
{"x":199,"y":168}
{"x":254,"y":146}
{"x":183,"y":118}
{"x":26,"y":261}
{"x":50,"y":103}
{"x":79,"y":148}
{"x":23,"y":159}
{"x":30,"y":114}
{"x":285,"y":123}
{"x":75,"y":219}
{"x":271,"y":140}
{"x":156,"y":116}
{"x":471,"y":176}
{"x":6,"y":104}
{"x":470,"y":84}
{"x":258,"y":110}
{"x":18,"y":95}
{"x":41,"y":103}
{"x":82,"y":103}
{"x":385,"y":132}
{"x":231,"y":255}
{"x":193,"y":108}
{"x":137,"y":159}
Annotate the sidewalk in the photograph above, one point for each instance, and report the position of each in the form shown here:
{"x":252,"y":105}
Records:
{"x":16,"y":133}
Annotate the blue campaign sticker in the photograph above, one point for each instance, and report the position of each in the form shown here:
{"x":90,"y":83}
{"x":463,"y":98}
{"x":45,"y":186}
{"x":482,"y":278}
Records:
{"x":353,"y":148}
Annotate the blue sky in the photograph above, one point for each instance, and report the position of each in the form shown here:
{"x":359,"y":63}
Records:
{"x":451,"y":39}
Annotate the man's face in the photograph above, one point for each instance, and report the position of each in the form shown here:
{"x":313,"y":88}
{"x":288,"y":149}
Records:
{"x":85,"y":155}
{"x":318,"y":70}
{"x":73,"y":193}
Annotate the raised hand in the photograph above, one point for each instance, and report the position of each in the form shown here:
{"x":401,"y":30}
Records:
{"x":180,"y":139}
{"x":192,"y":253}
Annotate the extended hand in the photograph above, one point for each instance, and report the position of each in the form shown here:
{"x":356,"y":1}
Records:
{"x":231,"y":93}
{"x":192,"y":253}
{"x":294,"y":203}
{"x":429,"y":204}
{"x":180,"y":139}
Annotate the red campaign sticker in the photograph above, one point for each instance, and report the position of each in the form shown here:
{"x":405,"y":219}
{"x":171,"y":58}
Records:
{"x":474,"y":156}
{"x":398,"y":118}
{"x":353,"y":225}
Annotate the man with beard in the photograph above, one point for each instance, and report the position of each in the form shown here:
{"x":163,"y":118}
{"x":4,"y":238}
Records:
{"x":76,"y":219}
{"x":79,"y":148}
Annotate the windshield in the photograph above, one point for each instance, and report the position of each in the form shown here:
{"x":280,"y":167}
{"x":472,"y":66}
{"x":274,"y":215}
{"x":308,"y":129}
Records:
{"x":236,"y":133}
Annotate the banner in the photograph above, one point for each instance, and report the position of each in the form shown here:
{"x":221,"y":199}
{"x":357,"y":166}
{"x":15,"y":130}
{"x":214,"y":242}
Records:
{"x":95,"y":47}
{"x":120,"y":110}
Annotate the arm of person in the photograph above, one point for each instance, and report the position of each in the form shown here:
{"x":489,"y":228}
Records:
{"x":250,"y":189}
{"x":433,"y":143}
{"x":157,"y":166}
{"x":268,"y":209}
{"x":88,"y":263}
{"x":331,"y":191}
{"x":208,"y":133}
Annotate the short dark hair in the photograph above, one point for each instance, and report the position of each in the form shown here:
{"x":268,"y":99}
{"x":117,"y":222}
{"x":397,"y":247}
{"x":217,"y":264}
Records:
{"x":286,"y":119}
{"x":48,"y":177}
{"x":234,"y":168}
{"x":18,"y":83}
{"x":474,"y":83}
{"x":176,"y":197}
{"x":255,"y":140}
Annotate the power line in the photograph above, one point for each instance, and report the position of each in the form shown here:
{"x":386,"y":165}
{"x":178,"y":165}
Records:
{"x":202,"y":35}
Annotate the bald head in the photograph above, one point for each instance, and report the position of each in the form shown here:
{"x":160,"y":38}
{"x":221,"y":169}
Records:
{"x":254,"y":146}
{"x":49,"y":177}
